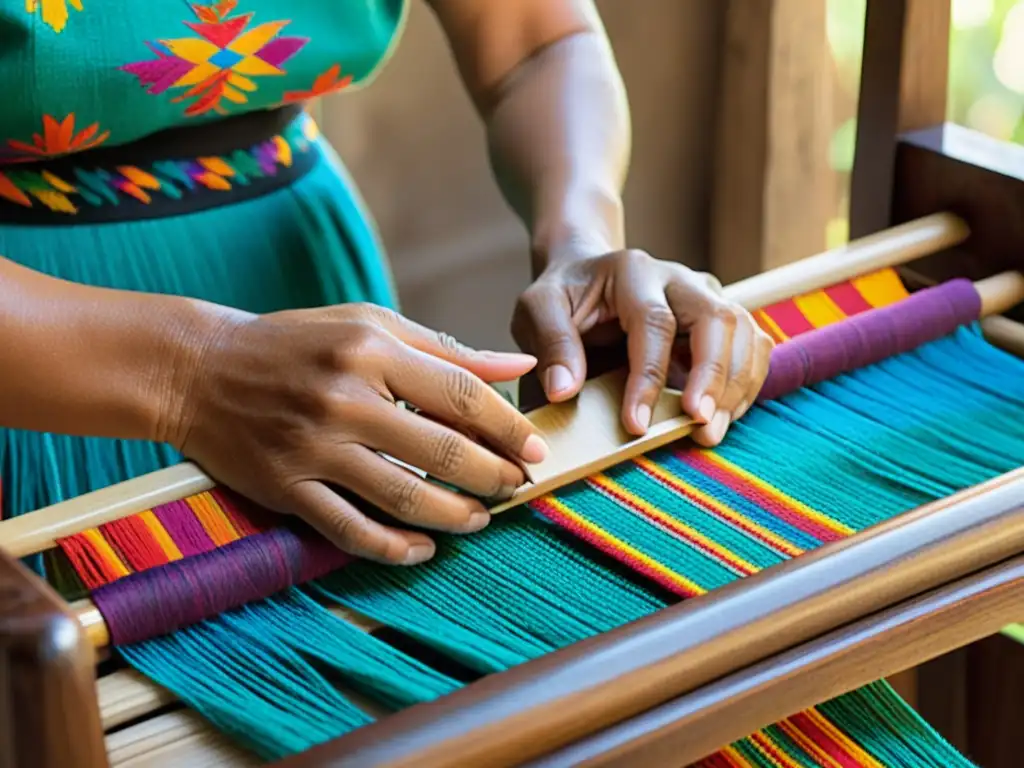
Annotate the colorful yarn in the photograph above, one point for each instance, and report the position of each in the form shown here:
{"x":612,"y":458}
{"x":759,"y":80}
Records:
{"x":81,"y":187}
{"x":815,"y":466}
{"x":818,"y":309}
{"x":871,"y":336}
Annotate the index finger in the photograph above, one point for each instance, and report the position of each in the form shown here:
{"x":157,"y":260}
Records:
{"x":458,"y":397}
{"x":711,"y":341}
{"x":491,"y":366}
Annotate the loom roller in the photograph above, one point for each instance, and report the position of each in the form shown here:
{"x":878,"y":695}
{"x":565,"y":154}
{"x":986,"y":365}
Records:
{"x":808,"y":359}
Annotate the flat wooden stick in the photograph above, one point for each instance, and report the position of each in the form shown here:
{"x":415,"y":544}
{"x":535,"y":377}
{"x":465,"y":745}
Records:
{"x":595,"y":449}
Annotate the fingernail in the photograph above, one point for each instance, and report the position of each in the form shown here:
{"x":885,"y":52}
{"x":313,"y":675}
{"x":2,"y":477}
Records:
{"x":719,"y":426}
{"x":477,"y":522}
{"x":643,"y":415}
{"x":510,"y":357}
{"x":535,"y":450}
{"x":557,"y":379}
{"x":418,"y":553}
{"x":740,"y":410}
{"x":707,"y":408}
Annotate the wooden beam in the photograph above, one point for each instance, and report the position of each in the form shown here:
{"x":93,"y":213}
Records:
{"x":771,"y":196}
{"x":904,"y":84}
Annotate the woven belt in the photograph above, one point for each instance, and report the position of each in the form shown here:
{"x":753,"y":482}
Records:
{"x":174,"y":172}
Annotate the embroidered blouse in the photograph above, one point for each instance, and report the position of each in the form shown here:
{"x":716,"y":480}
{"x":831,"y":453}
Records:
{"x":78,"y":74}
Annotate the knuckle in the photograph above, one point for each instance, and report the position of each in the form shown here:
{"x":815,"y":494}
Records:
{"x":726,"y":314}
{"x":450,"y":344}
{"x":362,"y":343}
{"x":406,"y":497}
{"x":659,"y":321}
{"x":464,"y":393}
{"x":653,"y":373}
{"x":715,"y":368}
{"x":449,"y":454}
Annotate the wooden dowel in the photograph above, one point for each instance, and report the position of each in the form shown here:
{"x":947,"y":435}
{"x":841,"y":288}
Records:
{"x":96,"y":631}
{"x":38,"y":531}
{"x":1004,"y":333}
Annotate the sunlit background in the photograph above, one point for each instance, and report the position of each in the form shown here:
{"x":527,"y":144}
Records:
{"x":986,"y":90}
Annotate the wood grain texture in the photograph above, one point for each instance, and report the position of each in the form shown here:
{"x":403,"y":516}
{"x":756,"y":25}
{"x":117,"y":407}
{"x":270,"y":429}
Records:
{"x":575,"y":692}
{"x":903,"y":87}
{"x":981,"y":179}
{"x":48,"y":712}
{"x":914,"y":631}
{"x":771,"y":192}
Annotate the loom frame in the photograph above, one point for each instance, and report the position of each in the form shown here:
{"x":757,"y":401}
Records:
{"x":937,"y":604}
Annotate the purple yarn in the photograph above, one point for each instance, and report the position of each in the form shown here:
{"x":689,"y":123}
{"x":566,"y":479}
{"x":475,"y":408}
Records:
{"x":162,"y":600}
{"x":870,"y":337}
{"x":184,"y":529}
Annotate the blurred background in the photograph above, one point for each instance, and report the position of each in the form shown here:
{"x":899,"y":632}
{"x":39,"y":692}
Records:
{"x":744,"y":126}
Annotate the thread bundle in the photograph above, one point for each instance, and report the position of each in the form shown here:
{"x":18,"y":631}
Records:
{"x":817,"y":465}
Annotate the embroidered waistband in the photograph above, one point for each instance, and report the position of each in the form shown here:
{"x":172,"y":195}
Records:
{"x":168,"y":175}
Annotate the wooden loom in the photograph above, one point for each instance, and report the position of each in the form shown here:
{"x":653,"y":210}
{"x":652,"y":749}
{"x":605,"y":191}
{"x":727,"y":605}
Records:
{"x":678,"y":685}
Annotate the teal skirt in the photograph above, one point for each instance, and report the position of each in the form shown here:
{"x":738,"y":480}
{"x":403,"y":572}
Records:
{"x":304,"y":245}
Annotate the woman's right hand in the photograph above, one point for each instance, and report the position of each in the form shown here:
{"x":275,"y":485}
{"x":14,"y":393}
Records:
{"x":286,"y":407}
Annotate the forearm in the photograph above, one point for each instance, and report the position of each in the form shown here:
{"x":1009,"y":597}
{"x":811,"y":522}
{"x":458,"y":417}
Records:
{"x":559,"y":135}
{"x":91,"y":361}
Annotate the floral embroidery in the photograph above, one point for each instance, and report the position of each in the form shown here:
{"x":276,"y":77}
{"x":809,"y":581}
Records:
{"x":58,"y":138}
{"x":55,"y":12}
{"x":217,"y":65}
{"x":325,"y":83}
{"x":173,"y":179}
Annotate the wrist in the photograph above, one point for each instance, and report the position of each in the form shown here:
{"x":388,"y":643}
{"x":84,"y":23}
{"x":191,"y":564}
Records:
{"x":184,"y":338}
{"x":583,"y":225}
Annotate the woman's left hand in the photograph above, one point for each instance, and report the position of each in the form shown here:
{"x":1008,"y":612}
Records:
{"x":653,"y":303}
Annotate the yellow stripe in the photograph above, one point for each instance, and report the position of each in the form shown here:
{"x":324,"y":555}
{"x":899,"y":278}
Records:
{"x":102,"y":549}
{"x":808,"y":745}
{"x":819,"y":309}
{"x":625,"y":548}
{"x":778,"y":495}
{"x":152,"y":522}
{"x":756,"y":740}
{"x":212,"y":518}
{"x":849,"y":745}
{"x":714,"y":504}
{"x":736,"y":756}
{"x":881,"y":288}
{"x":764,"y":319}
{"x":697,"y":538}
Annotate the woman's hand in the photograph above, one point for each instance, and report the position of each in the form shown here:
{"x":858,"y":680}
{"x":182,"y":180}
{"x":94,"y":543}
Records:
{"x":287,"y":407}
{"x":653,"y":302}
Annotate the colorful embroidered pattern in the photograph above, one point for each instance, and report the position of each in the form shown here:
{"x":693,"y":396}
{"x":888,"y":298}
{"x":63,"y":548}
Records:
{"x":57,"y":138}
{"x":173,"y":179}
{"x":54,"y":12}
{"x":218,"y":65}
{"x":325,"y":83}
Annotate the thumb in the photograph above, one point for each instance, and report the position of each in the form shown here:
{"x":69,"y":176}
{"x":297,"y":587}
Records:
{"x":488,"y":366}
{"x":543,"y":325}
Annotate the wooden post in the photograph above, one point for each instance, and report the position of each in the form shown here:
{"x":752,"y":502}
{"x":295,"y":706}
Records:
{"x":49,"y":716}
{"x":771,"y":197}
{"x":903,"y":87}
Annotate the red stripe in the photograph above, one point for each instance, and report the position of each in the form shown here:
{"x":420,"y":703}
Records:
{"x":824,"y":741}
{"x":754,"y":494}
{"x":671,"y":526}
{"x":848,"y":299}
{"x":672,"y":485}
{"x":89,"y":569}
{"x":133,"y":540}
{"x":789,"y":318}
{"x":547,"y":509}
